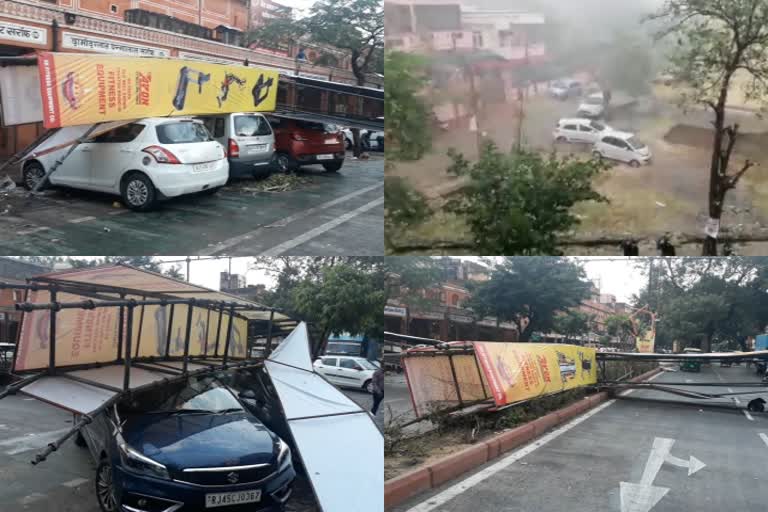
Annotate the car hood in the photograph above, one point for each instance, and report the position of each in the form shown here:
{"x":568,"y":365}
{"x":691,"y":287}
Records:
{"x":201,"y":440}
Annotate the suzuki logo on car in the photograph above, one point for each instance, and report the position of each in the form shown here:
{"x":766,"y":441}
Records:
{"x":233,"y":478}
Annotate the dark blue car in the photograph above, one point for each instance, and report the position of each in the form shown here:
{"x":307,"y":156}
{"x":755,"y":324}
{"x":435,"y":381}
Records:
{"x":187,"y":446}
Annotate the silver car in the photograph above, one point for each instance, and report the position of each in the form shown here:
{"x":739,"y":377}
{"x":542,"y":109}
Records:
{"x":248,"y":139}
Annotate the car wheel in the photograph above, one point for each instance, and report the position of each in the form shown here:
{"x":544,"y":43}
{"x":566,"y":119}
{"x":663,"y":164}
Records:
{"x":138,"y":192}
{"x":368,"y":386}
{"x":561,"y":139}
{"x":33,"y":173}
{"x":348,"y":144}
{"x":333,"y":167}
{"x":634,"y":163}
{"x":105,"y":489}
{"x":285,"y":163}
{"x":597,"y":154}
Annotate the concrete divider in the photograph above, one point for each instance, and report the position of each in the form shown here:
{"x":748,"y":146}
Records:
{"x":407,"y":485}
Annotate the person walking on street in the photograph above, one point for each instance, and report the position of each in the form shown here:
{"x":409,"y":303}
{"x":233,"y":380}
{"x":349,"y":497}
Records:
{"x":378,"y":389}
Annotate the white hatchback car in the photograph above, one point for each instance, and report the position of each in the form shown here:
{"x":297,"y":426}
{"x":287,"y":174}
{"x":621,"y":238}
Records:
{"x":580,"y":130}
{"x":347,"y":371}
{"x":143,"y":162}
{"x":592,"y":106}
{"x":624,"y":147}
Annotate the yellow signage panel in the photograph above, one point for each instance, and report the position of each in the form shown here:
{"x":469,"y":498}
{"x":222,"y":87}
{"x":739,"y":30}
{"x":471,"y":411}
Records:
{"x":520,"y":371}
{"x":80,"y":89}
{"x":91,"y":336}
{"x":646,"y":343}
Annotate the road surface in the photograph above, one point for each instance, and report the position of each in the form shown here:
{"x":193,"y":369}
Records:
{"x":665,"y":457}
{"x":64,"y":482}
{"x":338,"y":213}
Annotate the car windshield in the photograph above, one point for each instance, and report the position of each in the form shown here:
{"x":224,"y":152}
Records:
{"x":635,"y":143}
{"x":251,"y":126}
{"x":597,"y":126}
{"x":198,"y":394}
{"x":317,"y":127}
{"x":594,"y":101}
{"x":182,"y":132}
{"x":559,"y":85}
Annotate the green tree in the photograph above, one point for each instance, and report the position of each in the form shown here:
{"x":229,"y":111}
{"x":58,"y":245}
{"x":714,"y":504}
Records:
{"x":410,"y":278}
{"x":520,"y":203}
{"x":715,"y":39}
{"x":404,"y":207}
{"x":620,"y":327}
{"x":356,"y":26}
{"x":573,"y":323}
{"x":406,"y":113}
{"x":530,"y":292}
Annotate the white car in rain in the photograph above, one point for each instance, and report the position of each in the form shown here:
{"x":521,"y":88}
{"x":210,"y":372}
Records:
{"x":143,"y":162}
{"x":592,"y":106}
{"x":347,"y":371}
{"x":581,"y":130}
{"x":624,"y":147}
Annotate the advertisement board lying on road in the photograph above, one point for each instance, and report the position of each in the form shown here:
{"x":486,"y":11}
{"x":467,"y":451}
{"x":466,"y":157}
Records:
{"x":81,"y":89}
{"x":467,"y":373}
{"x":520,"y":371}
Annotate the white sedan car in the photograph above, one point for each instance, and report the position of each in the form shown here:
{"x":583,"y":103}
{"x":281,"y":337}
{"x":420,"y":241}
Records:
{"x":347,"y":371}
{"x":143,"y":162}
{"x":624,"y":147}
{"x":580,"y":130}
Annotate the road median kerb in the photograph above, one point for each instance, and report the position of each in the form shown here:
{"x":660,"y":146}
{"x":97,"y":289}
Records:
{"x":399,"y":489}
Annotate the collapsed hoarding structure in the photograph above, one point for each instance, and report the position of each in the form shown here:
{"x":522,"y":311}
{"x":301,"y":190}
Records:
{"x":491,"y":376}
{"x":472,"y":376}
{"x":92,"y":337}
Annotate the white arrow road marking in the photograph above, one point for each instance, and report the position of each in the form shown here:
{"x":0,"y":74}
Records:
{"x":643,"y":496}
{"x":764,"y":438}
{"x":693,"y":464}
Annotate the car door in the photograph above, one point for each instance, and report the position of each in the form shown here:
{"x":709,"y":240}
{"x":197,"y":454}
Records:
{"x":327,"y":368}
{"x":587,"y":134}
{"x":111,"y":153}
{"x":623,"y":151}
{"x":75,"y":170}
{"x":349,"y":373}
{"x":571,"y":132}
{"x":610,"y":148}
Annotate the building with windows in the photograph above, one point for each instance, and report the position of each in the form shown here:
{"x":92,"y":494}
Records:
{"x":202,"y":30}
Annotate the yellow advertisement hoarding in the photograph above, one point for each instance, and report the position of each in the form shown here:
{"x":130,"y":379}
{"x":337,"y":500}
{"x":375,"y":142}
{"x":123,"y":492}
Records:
{"x":80,"y":89}
{"x":520,"y":371}
{"x":646,"y":342}
{"x":91,"y":336}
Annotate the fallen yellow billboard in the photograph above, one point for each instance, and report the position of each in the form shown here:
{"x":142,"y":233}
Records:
{"x":80,"y":89}
{"x":520,"y":371}
{"x":463,"y":373}
{"x":86,"y":336}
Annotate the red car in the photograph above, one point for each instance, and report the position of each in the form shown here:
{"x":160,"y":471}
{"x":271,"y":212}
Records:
{"x":299,"y":143}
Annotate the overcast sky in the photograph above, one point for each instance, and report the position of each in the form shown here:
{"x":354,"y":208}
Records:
{"x":617,"y":276}
{"x":206,"y":272}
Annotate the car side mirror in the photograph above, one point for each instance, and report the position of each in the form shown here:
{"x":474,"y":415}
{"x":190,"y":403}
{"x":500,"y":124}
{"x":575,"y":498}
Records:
{"x":247,"y":394}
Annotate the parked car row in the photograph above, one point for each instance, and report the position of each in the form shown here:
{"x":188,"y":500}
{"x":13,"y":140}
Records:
{"x":153,"y":159}
{"x":606,"y":142}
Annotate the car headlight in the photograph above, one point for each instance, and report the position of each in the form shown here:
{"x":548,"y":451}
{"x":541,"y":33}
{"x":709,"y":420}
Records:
{"x":284,"y":455}
{"x":136,"y":462}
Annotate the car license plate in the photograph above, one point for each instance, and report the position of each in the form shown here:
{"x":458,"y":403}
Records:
{"x":257,"y":149}
{"x":331,"y":141}
{"x":325,"y":157}
{"x":222,"y":499}
{"x":202,"y":167}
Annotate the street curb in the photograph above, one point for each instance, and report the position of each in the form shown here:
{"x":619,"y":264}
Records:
{"x":399,"y":489}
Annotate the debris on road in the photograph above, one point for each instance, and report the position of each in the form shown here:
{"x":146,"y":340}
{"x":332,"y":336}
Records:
{"x":276,"y":183}
{"x":7,"y":184}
